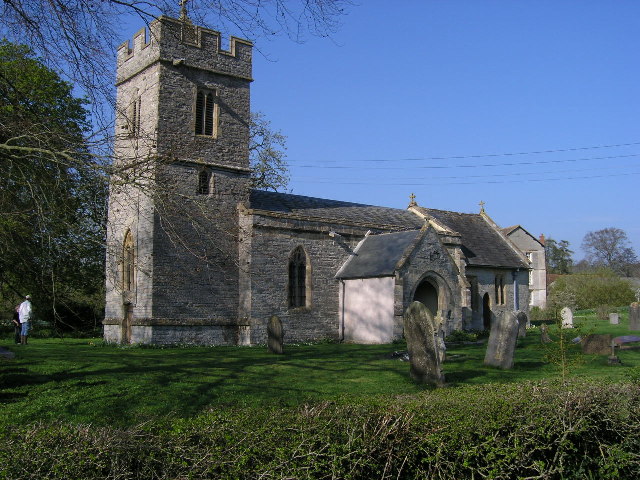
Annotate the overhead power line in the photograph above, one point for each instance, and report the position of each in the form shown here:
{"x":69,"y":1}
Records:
{"x":439,"y":167}
{"x":484,"y":182}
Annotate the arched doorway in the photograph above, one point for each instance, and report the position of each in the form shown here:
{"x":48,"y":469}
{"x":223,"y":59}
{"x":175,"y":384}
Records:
{"x":427,"y":294}
{"x":486,"y":311}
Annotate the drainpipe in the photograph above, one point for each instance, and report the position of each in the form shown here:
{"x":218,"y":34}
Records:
{"x":516,"y":300}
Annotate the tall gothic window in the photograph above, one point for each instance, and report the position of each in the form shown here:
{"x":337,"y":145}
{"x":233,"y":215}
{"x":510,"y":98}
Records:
{"x":205,"y":113}
{"x":298,"y":279}
{"x":128,"y":262}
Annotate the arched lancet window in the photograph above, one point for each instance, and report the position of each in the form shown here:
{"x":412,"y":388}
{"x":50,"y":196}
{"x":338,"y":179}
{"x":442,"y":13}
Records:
{"x":499,"y":290}
{"x":298,"y":279}
{"x":204,"y":180}
{"x":128,"y":262}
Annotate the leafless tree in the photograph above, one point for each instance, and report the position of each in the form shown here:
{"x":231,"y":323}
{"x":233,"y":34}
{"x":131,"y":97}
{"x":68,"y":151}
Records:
{"x":610,"y":248}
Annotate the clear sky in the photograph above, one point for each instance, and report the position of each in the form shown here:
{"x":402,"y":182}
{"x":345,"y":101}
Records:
{"x":440,"y":98}
{"x":530,"y":106}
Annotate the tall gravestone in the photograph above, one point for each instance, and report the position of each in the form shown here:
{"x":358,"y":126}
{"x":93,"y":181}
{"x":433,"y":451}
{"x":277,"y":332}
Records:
{"x":523,"y":322}
{"x":275,"y":335}
{"x":567,"y":317}
{"x":634,"y":316}
{"x":420,"y":331}
{"x":544,"y":334}
{"x":614,"y":319}
{"x":502,"y":341}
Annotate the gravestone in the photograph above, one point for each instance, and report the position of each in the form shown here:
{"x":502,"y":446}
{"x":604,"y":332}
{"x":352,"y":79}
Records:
{"x":523,"y":322}
{"x":275,"y":335}
{"x":614,"y":319}
{"x":634,"y":316}
{"x":596,"y":344}
{"x":567,"y":317}
{"x":502,"y":341}
{"x":420,"y":331}
{"x":544,"y":334}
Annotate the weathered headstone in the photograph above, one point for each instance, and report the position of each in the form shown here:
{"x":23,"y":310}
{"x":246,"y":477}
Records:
{"x":567,"y":317}
{"x":614,"y":319}
{"x":596,"y":344}
{"x":420,"y":331}
{"x":502,"y":341}
{"x":275,"y":335}
{"x":634,"y":316}
{"x":613,"y":358}
{"x":544,"y":334}
{"x":523,"y":322}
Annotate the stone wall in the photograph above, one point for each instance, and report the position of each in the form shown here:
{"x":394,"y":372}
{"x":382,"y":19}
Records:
{"x":273,"y":240}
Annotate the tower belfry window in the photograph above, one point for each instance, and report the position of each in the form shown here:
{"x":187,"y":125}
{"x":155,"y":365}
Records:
{"x":205,"y":113}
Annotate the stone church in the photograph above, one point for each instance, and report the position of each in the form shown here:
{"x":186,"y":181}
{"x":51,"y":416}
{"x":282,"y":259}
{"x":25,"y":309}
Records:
{"x":195,"y":255}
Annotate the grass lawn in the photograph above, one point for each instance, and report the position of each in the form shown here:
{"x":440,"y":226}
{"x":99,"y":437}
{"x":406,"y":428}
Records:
{"x":86,"y":381}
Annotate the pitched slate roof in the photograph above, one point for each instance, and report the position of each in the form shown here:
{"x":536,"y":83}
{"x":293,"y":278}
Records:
{"x":481,"y":243}
{"x":334,"y":210}
{"x":378,"y":255}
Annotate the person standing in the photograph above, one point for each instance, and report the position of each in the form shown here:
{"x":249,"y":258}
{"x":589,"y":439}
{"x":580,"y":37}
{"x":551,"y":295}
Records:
{"x":16,"y":324}
{"x":25,"y":311}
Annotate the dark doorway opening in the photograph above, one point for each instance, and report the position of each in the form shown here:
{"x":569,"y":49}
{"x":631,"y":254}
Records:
{"x":486,"y":311}
{"x":427,"y":294}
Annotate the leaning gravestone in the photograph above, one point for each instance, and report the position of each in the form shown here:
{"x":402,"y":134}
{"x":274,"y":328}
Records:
{"x":420,"y":331}
{"x":502,"y":341}
{"x":275,"y":335}
{"x":523,"y":321}
{"x":614,"y":319}
{"x":634,"y":316}
{"x":596,"y":344}
{"x":544,"y":334}
{"x":567,"y":317}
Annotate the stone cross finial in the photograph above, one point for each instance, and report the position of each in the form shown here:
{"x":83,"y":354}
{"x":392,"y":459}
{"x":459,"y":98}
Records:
{"x":481,"y":206}
{"x":183,"y":9}
{"x":412,"y":202}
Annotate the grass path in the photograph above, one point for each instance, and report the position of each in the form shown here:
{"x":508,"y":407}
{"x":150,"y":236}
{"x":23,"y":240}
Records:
{"x":86,"y":381}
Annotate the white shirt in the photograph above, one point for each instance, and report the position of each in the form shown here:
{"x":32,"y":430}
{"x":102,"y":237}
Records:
{"x":24,"y":312}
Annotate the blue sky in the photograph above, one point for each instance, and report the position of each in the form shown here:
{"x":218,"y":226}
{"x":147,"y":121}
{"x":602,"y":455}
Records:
{"x":426,"y":96}
{"x":529,"y":106}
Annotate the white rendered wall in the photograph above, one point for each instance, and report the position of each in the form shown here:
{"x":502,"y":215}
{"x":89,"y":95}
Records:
{"x":367,"y":309}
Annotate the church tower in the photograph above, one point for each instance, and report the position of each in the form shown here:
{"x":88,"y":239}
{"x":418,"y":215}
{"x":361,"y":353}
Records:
{"x":181,"y":169}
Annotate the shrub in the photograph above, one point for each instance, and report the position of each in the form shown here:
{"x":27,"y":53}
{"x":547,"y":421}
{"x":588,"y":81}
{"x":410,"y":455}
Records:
{"x":590,"y":290}
{"x":536,"y":430}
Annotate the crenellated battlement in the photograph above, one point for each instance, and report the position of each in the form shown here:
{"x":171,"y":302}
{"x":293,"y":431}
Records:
{"x":179,"y":42}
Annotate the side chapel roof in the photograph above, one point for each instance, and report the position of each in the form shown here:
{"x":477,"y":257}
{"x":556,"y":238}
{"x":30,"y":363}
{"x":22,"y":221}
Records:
{"x":378,"y":255}
{"x":482,"y":245}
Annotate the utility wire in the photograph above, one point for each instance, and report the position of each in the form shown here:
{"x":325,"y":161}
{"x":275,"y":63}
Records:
{"x":337,"y":182}
{"x":439,"y":167}
{"x":489,"y":155}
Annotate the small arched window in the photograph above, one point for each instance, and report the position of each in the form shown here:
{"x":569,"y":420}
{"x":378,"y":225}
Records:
{"x":298,"y":279}
{"x":204,"y":181}
{"x":128,"y":262}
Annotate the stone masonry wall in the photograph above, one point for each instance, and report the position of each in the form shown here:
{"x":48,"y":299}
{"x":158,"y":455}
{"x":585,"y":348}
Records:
{"x":272,"y":243}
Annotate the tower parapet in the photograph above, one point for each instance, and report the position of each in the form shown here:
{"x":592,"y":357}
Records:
{"x":179,"y":42}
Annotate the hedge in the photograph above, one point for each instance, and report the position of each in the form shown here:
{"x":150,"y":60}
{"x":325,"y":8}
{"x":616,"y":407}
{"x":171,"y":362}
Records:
{"x":542,"y":430}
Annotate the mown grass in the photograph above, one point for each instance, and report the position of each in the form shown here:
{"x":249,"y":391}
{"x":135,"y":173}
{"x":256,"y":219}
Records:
{"x":86,"y":381}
